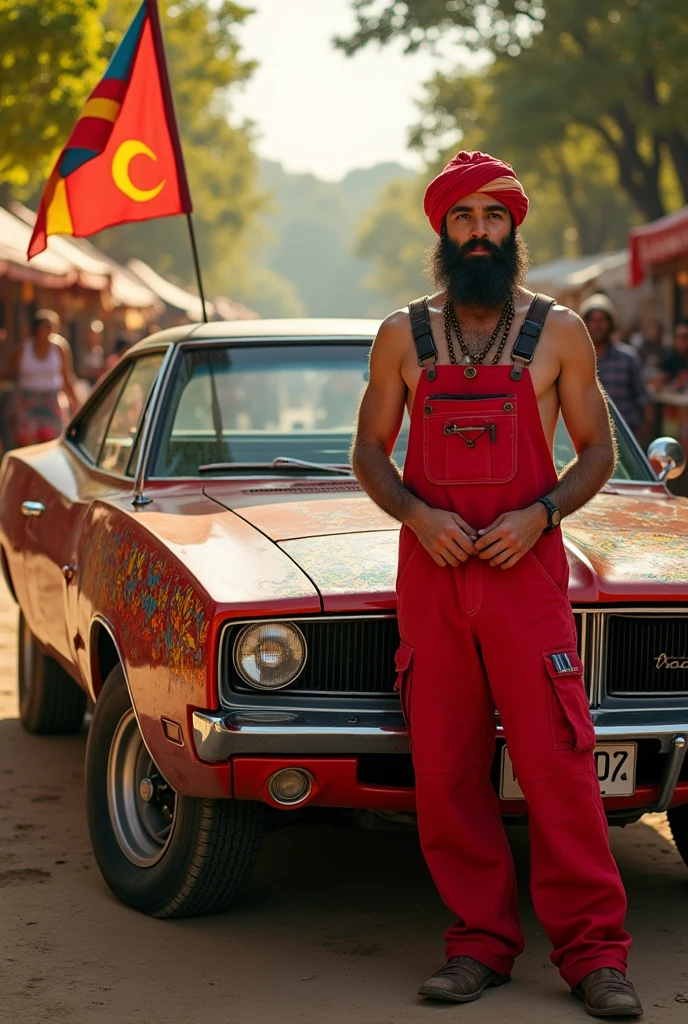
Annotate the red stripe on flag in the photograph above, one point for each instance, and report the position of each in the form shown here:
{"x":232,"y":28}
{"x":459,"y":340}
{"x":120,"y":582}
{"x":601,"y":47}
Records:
{"x":110,"y":89}
{"x":91,"y":133}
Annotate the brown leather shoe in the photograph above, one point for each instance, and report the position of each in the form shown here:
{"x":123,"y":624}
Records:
{"x":606,"y":992}
{"x":461,"y":980}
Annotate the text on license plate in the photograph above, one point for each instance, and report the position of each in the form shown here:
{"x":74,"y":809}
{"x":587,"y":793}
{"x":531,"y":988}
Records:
{"x":615,"y":770}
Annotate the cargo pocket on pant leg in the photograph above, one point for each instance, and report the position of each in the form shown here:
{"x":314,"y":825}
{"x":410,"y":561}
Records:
{"x":572,"y":727}
{"x":402,"y":660}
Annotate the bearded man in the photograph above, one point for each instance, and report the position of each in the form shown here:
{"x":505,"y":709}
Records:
{"x":484,"y":616}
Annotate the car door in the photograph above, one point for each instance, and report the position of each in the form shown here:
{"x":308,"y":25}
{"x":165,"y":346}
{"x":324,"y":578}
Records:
{"x":95,"y":464}
{"x":116,"y":459}
{"x":55,"y":509}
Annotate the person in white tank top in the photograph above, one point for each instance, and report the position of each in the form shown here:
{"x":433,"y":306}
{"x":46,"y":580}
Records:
{"x":44,"y":375}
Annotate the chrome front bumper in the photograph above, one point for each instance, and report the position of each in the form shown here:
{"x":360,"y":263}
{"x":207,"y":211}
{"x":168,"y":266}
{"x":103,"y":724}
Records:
{"x":220,"y":735}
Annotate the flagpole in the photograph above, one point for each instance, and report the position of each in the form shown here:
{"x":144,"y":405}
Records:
{"x":152,"y":7}
{"x":197,"y":265}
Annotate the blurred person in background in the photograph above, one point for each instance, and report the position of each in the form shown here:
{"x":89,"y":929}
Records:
{"x":121,"y":346}
{"x":618,"y":365}
{"x":93,"y":362}
{"x":673,"y":368}
{"x":652,"y":351}
{"x":42,"y":370}
{"x":672,"y":375}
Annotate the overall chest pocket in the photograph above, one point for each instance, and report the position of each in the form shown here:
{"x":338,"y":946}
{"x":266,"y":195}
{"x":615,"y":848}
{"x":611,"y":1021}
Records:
{"x":469,"y":439}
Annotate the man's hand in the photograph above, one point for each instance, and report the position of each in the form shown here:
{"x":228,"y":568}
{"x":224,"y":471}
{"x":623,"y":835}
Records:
{"x":511,"y":535}
{"x":444,"y":535}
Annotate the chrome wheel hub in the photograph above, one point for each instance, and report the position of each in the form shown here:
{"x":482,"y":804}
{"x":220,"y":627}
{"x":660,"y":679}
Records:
{"x":142,"y":805}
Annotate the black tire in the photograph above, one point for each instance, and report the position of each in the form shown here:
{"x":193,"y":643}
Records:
{"x":678,"y":822}
{"x":204,"y":861}
{"x":50,"y":702}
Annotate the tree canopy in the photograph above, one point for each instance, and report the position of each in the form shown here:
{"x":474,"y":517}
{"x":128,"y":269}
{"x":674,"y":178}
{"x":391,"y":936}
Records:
{"x":393,"y":237}
{"x":50,"y":58}
{"x":54,"y":52}
{"x":614,"y":69}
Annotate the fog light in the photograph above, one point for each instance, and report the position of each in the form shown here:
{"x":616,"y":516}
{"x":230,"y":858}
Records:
{"x":290,"y":785}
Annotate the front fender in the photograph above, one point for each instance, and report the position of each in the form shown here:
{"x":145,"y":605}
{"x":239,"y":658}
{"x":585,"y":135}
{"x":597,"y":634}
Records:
{"x":162,"y":627}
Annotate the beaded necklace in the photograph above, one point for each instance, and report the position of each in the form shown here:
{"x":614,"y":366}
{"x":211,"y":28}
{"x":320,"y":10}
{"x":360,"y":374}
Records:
{"x":503,"y":325}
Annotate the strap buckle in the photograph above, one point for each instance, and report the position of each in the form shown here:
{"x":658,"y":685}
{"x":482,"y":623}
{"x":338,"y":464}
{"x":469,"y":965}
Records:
{"x":520,"y":362}
{"x":430,"y":370}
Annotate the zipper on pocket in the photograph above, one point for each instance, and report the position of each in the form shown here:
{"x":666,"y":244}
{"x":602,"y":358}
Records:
{"x":465,"y":398}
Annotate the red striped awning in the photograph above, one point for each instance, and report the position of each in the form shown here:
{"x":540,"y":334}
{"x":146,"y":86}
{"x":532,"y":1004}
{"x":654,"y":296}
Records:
{"x":658,"y":242}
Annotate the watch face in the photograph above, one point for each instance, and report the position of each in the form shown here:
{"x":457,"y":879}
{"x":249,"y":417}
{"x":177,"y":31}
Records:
{"x":555,"y":517}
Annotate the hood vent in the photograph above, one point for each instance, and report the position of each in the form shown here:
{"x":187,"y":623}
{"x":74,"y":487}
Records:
{"x":326,"y":487}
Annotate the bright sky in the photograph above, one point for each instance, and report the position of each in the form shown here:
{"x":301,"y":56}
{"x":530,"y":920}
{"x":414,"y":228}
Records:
{"x":316,"y":109}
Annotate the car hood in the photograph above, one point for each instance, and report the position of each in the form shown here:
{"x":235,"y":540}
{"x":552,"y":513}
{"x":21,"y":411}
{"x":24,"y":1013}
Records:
{"x":620,"y":546}
{"x":628,"y":546}
{"x":283,"y":510}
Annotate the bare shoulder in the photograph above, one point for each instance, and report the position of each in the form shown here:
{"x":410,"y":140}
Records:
{"x":570,"y":337}
{"x":394,"y":337}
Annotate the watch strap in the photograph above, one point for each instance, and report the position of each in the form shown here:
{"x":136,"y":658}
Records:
{"x":551,"y":509}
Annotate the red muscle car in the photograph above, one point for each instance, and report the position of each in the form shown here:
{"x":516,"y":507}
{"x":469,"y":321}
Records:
{"x":194,"y":558}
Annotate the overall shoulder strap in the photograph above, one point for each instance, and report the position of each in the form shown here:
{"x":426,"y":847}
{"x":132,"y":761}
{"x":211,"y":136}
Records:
{"x":524,"y":347}
{"x":422,"y":335}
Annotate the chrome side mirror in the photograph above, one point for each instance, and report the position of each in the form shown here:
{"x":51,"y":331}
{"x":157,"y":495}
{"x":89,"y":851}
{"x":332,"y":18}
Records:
{"x":667,"y":458}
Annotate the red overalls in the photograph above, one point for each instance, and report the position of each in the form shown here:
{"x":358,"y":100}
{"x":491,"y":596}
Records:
{"x":476,"y":638}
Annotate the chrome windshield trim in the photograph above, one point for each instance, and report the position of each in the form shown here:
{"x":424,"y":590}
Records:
{"x":149,"y":427}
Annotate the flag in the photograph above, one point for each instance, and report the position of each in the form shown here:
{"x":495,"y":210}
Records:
{"x":123,"y":161}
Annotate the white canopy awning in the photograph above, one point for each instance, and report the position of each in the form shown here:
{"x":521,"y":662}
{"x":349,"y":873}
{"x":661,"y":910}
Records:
{"x":557,"y":276}
{"x":171,"y":294}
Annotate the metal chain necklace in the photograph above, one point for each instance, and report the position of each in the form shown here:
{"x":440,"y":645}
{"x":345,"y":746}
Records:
{"x":503,"y":325}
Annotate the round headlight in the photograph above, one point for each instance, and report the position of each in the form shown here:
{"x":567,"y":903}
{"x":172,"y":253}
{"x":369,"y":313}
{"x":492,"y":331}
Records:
{"x":270,"y":655}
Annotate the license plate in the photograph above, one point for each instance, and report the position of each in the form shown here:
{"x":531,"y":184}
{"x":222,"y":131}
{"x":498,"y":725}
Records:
{"x":615,"y":770}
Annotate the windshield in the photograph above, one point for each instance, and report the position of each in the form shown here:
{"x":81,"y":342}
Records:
{"x":253,"y":404}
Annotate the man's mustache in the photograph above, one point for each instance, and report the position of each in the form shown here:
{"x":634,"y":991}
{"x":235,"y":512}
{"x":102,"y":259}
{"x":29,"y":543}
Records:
{"x":479,"y":243}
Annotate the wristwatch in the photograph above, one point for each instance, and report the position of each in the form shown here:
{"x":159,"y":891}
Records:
{"x":553,"y":514}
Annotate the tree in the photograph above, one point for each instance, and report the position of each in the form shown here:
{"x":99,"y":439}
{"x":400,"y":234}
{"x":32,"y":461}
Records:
{"x":395,"y":236}
{"x":613,"y":67}
{"x":51,"y":58}
{"x":311,"y":232}
{"x":574,"y":179}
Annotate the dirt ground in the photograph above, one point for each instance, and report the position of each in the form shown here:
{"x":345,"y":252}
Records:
{"x":339,"y":925}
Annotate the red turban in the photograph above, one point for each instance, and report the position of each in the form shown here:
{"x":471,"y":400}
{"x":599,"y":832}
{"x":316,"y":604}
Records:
{"x":474,"y":172}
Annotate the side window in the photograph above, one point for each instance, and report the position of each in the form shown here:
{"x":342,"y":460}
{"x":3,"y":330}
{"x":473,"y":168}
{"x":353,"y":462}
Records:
{"x":91,"y":429}
{"x":122,"y":432}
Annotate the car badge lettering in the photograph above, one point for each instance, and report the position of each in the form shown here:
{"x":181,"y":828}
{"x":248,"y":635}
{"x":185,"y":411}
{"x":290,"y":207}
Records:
{"x":669,"y":661}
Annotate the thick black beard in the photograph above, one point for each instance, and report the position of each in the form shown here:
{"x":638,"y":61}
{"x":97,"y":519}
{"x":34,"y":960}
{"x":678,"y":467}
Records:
{"x":481,"y":281}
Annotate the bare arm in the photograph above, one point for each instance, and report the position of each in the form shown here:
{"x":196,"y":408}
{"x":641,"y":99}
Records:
{"x":445,"y":535}
{"x":584,"y":411}
{"x":11,"y":369}
{"x":68,"y":377}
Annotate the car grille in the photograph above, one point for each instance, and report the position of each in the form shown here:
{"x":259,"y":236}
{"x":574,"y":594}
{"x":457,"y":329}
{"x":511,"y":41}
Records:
{"x":620,"y":651}
{"x":344,"y":656}
{"x":644,"y":655}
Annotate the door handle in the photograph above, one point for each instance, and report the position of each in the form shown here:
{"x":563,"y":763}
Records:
{"x":33,"y":508}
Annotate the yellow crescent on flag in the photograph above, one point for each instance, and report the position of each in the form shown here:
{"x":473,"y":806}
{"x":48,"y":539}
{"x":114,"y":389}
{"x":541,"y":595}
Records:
{"x":120,"y":171}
